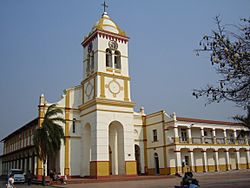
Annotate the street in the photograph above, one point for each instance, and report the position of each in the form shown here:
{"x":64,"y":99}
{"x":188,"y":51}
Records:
{"x":231,"y":179}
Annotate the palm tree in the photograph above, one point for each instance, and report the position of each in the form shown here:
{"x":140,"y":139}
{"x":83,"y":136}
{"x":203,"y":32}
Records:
{"x":245,"y":121}
{"x":48,"y":138}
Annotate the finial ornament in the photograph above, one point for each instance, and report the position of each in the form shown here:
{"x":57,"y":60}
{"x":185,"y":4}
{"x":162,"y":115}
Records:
{"x":104,"y":6}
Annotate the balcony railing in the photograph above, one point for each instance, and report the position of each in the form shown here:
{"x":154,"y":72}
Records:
{"x":196,"y":140}
{"x":241,"y":141}
{"x":208,"y":140}
{"x":183,"y":139}
{"x":220,"y":140}
{"x":231,"y":141}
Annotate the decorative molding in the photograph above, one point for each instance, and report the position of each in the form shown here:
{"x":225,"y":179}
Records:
{"x":106,"y":102}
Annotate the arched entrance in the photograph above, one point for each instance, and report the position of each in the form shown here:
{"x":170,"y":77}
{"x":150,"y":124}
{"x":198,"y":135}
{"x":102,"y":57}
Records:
{"x":211,"y":164}
{"x":138,"y":158}
{"x":116,"y":143}
{"x":243,"y":158}
{"x":157,"y":167}
{"x":232,"y":158}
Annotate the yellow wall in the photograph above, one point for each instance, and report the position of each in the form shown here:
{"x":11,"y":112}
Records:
{"x":99,"y":168}
{"x":243,"y":166}
{"x":199,"y":168}
{"x":211,"y":168}
{"x":223,"y":167}
{"x":131,"y":168}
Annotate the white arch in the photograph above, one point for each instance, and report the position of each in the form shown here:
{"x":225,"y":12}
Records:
{"x":116,"y":143}
{"x":86,"y":150}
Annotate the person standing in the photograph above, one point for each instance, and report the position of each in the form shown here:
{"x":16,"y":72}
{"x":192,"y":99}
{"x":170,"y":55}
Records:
{"x":10,"y":182}
{"x":28,"y":176}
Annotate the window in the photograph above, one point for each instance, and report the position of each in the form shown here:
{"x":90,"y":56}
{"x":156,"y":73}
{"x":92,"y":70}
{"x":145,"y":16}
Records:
{"x":205,"y":133}
{"x":74,"y":125}
{"x":108,"y":58}
{"x":183,"y":135}
{"x":92,"y":60}
{"x":117,"y":60}
{"x":88,"y":64}
{"x":154,"y":135}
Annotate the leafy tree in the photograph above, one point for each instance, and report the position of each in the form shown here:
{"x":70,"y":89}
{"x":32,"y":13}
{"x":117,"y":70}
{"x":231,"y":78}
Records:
{"x":48,"y":138}
{"x":230,"y":55}
{"x":245,"y":121}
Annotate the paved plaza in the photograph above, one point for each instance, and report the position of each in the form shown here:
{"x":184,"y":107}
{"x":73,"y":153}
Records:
{"x":231,"y":179}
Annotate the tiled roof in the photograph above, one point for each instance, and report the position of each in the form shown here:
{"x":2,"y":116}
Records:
{"x":29,"y":124}
{"x":206,"y":121}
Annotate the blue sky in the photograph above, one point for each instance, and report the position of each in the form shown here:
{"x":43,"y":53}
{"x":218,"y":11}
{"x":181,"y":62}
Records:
{"x":40,"y":52}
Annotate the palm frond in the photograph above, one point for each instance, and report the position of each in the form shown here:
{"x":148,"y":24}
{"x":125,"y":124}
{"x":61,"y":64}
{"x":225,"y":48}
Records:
{"x":48,"y":138}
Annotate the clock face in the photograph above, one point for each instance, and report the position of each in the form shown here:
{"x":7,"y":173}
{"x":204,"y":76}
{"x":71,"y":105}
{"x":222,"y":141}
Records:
{"x":113,"y":45}
{"x":114,"y":87}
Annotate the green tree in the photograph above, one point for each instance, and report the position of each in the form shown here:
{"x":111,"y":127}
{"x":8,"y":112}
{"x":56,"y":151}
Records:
{"x":48,"y":138}
{"x":229,"y":49}
{"x":245,"y":121}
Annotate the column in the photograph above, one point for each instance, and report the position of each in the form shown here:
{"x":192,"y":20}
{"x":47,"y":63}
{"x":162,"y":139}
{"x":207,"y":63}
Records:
{"x":192,"y":161}
{"x":178,"y":161}
{"x":30,"y":163}
{"x":41,"y":112}
{"x":18,"y":161}
{"x":67,"y":146}
{"x":225,"y":135}
{"x":4,"y":168}
{"x":202,"y":135}
{"x":214,"y":136}
{"x":205,"y":161}
{"x":189,"y":135}
{"x":21,"y":163}
{"x":246,"y":140}
{"x":35,"y":165}
{"x":176,"y":135}
{"x":248,"y":158}
{"x":216,"y":160}
{"x":235,"y":137}
{"x":24,"y":164}
{"x":237,"y":159}
{"x":227,"y":160}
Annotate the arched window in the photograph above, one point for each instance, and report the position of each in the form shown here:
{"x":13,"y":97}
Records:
{"x":88,"y":64}
{"x":117,"y":60}
{"x":92,"y":60}
{"x":108,"y":58}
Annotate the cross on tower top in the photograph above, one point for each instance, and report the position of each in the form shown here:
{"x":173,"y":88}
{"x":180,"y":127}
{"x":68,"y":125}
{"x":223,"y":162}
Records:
{"x":104,"y":6}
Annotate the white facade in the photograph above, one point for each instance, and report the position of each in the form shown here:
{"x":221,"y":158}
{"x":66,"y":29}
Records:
{"x":104,"y":136}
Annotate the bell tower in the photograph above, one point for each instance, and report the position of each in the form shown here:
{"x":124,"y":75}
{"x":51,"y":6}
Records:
{"x":105,"y":64}
{"x":107,"y":111}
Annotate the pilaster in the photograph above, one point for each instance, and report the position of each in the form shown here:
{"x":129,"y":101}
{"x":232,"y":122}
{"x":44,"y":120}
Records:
{"x":67,"y":119}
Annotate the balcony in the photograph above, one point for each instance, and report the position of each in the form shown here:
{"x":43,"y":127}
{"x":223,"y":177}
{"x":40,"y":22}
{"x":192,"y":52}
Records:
{"x":196,"y":140}
{"x":211,"y":140}
{"x":231,"y":141}
{"x":208,"y":140}
{"x":220,"y":141}
{"x":241,"y":141}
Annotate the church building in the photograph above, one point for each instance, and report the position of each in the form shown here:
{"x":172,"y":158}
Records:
{"x":104,"y":135}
